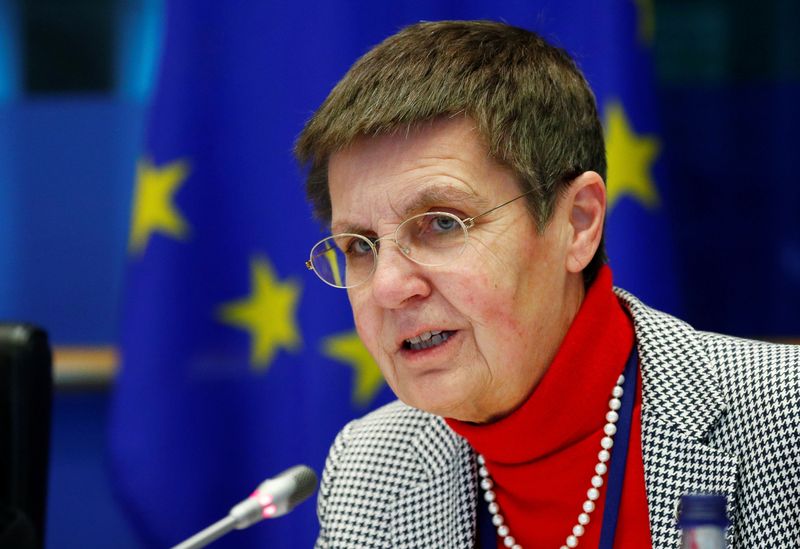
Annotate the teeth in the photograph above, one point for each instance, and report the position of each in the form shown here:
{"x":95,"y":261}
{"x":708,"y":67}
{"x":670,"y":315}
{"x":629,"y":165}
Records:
{"x":428,"y":340}
{"x":425,"y":336}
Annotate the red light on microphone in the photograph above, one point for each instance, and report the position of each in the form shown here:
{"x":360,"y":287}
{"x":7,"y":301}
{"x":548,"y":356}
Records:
{"x":269,"y":511}
{"x":264,"y":499}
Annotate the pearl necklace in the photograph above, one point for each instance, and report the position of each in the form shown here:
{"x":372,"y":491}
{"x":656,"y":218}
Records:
{"x":592,"y":494}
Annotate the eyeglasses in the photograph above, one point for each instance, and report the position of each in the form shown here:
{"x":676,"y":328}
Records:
{"x":433,"y":239}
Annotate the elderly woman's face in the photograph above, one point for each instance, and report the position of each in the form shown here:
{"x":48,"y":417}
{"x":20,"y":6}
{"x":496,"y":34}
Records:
{"x":502,"y":307}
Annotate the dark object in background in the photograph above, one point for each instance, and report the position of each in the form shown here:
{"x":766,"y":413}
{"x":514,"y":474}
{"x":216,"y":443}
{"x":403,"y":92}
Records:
{"x":25,"y":401}
{"x":69,"y":47}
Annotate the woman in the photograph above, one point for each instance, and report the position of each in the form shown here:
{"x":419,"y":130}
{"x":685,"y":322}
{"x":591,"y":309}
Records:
{"x":460,"y":166}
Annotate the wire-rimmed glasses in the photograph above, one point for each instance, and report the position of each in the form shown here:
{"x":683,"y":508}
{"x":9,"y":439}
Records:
{"x":431,"y":239}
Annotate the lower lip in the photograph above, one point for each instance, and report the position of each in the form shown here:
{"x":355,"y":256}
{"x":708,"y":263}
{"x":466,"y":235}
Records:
{"x":430,"y":352}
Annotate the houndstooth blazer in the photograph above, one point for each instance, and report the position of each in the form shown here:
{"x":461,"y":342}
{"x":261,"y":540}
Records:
{"x":719,"y":414}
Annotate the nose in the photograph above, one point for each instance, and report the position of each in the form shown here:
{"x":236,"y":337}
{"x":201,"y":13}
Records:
{"x":397,"y":280}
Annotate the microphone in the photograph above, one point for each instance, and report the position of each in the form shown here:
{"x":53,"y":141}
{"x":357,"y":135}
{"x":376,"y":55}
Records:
{"x":273,"y":498}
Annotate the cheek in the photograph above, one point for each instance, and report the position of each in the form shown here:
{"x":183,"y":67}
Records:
{"x":365,"y":326}
{"x":366,"y":322}
{"x":509,"y":310}
{"x":491,"y":302}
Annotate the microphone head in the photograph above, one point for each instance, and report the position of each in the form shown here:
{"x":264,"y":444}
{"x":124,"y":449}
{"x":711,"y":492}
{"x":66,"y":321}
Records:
{"x":305,"y":481}
{"x":276,"y":496}
{"x":281,"y":494}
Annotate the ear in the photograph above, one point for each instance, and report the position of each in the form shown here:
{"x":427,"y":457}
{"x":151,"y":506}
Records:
{"x":586,"y":198}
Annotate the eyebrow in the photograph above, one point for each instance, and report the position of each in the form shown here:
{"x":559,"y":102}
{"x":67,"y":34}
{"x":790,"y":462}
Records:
{"x":441,"y":195}
{"x":435,"y":194}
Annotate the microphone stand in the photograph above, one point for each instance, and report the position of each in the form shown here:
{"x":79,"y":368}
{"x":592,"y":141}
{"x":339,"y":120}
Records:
{"x":206,"y":536}
{"x":273,"y":497}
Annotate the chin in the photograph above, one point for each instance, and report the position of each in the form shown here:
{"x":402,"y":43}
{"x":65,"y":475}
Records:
{"x":415,"y":400}
{"x":436,"y":406}
{"x":441,"y":393}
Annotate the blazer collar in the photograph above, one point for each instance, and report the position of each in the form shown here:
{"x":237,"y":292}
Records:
{"x":677,"y":380}
{"x":681,"y":406}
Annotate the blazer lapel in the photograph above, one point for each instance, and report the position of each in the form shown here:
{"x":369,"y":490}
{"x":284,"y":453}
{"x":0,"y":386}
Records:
{"x":440,"y":510}
{"x":681,"y":406}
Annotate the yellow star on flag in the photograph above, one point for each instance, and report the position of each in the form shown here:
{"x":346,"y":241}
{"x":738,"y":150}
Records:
{"x":268,"y":314}
{"x":349,"y":349}
{"x":630,"y":159}
{"x":153,"y":203}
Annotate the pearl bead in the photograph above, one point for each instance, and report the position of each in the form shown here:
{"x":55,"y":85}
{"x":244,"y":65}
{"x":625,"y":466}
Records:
{"x":592,"y":494}
{"x":601,"y":468}
{"x":497,"y":520}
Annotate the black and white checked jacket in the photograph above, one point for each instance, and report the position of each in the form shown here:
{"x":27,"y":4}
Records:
{"x":719,"y":414}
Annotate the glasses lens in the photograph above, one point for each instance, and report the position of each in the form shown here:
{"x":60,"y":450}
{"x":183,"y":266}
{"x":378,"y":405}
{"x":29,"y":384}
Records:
{"x":432,"y":238}
{"x":343,"y":260}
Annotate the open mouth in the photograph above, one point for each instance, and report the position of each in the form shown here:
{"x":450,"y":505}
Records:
{"x":427,"y":340}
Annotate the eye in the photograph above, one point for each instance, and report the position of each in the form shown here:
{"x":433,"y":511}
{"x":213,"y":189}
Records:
{"x":443,"y":223}
{"x":357,"y":247}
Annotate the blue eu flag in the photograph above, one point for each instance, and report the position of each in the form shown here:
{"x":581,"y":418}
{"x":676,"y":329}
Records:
{"x":237,"y":363}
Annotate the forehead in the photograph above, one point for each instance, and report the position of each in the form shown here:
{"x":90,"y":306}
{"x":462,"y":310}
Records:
{"x":386,"y":178}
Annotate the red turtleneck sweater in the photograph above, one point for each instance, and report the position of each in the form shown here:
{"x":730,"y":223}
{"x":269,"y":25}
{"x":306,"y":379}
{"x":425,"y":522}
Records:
{"x":542,"y":456}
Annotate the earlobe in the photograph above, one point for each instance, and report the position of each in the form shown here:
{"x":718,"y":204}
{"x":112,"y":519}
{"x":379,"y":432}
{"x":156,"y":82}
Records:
{"x":587,"y":201}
